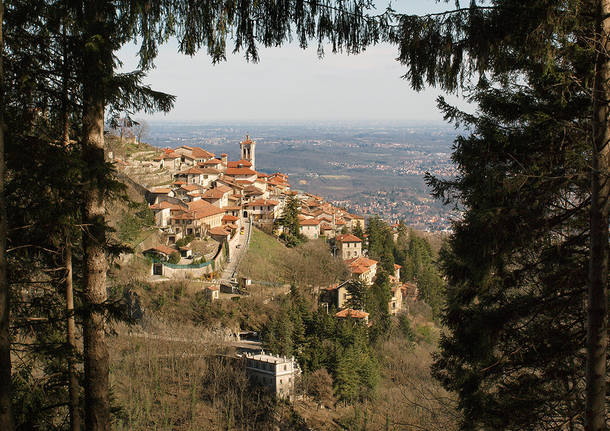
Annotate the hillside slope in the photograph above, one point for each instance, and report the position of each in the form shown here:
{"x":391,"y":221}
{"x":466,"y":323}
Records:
{"x":310,"y":263}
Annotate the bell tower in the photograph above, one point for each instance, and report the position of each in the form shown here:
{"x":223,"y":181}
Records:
{"x":247,"y":150}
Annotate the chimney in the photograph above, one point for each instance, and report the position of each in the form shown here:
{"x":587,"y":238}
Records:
{"x":224,"y":159}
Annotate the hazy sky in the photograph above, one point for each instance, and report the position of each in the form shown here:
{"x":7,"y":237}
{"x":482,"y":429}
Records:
{"x":290,"y":84}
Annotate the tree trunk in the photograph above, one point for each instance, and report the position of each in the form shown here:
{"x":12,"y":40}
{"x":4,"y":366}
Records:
{"x":96,"y":65}
{"x":6,"y":417}
{"x":73,"y":386}
{"x":597,"y":305}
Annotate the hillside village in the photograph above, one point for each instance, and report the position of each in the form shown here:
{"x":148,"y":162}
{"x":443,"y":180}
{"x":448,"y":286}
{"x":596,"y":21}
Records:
{"x":213,"y":199}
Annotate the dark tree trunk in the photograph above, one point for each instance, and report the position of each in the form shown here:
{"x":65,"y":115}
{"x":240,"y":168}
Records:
{"x":96,"y":63}
{"x":6,"y":417}
{"x":597,"y":305}
{"x":73,"y":386}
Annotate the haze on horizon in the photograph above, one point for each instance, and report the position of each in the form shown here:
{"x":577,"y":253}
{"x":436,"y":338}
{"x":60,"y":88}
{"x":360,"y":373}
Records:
{"x":292,"y":85}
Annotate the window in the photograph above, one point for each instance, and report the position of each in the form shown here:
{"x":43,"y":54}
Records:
{"x":285,"y":368}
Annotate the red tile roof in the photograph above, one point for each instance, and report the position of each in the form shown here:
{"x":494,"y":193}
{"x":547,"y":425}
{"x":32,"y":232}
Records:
{"x":347,"y":237}
{"x":240,"y":171}
{"x":262,"y":202}
{"x":310,"y":222}
{"x":190,"y":187}
{"x":360,"y":265}
{"x":218,"y":230}
{"x":200,"y":153}
{"x":164,"y":205}
{"x":216,"y":193}
{"x":191,"y":171}
{"x":231,"y":182}
{"x":364,"y":261}
{"x":240,"y":163}
{"x":161,"y":190}
{"x":354,"y":314}
{"x":204,"y":209}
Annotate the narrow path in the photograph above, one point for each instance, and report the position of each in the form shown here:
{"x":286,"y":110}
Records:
{"x":237,"y":250}
{"x":231,"y":341}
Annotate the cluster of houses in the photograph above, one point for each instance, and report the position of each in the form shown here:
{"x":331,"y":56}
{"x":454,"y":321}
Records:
{"x":319,"y":218}
{"x":212,"y":197}
{"x":364,"y":269}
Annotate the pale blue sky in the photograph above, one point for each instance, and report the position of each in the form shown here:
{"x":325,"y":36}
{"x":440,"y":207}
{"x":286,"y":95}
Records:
{"x":290,"y":84}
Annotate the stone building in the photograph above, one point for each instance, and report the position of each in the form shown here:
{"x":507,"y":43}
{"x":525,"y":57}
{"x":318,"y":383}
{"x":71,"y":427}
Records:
{"x":276,"y":373}
{"x":350,"y":246}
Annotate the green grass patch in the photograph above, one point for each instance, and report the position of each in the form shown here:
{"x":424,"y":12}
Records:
{"x":266,"y":259}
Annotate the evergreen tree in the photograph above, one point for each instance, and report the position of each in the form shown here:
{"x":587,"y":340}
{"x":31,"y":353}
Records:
{"x":289,"y":220}
{"x":532,"y":180}
{"x":359,"y":232}
{"x":378,"y":300}
{"x":358,"y":294}
{"x":347,"y":381}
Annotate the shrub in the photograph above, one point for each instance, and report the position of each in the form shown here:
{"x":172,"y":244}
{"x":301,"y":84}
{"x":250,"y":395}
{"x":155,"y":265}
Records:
{"x":185,"y":241}
{"x":174,"y":257}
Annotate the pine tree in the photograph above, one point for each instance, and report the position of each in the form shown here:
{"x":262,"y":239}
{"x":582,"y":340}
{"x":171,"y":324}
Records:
{"x":359,"y":232}
{"x":358,"y":294}
{"x":289,"y":220}
{"x":377,"y":306}
{"x":347,"y":381}
{"x":543,"y":97}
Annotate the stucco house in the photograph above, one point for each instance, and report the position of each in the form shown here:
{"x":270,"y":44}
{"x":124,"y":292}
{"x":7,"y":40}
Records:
{"x":218,"y":196}
{"x":363,"y":268}
{"x":310,"y":228}
{"x":349,"y":246}
{"x":261,"y":209}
